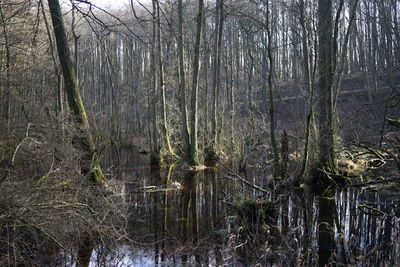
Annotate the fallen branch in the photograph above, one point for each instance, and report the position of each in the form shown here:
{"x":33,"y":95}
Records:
{"x":375,"y":152}
{"x":331,"y":176}
{"x":237,"y":176}
{"x":390,"y":180}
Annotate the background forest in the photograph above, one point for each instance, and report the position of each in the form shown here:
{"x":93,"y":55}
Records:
{"x":301,"y":89}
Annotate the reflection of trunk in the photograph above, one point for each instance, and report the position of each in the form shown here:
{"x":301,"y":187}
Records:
{"x":156,"y":175}
{"x":165,"y":212}
{"x":194,"y":215}
{"x":326,"y":242}
{"x":307,"y":202}
{"x":214,"y":214}
{"x":189,"y":214}
{"x":205,"y":200}
{"x":388,"y":240}
{"x":89,"y":161}
{"x":84,"y":252}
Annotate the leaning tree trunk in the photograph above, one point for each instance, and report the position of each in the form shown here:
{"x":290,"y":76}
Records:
{"x":89,"y":161}
{"x":325,"y":82}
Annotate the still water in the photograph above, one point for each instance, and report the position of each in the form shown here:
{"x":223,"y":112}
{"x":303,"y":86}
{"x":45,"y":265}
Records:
{"x":179,"y":218}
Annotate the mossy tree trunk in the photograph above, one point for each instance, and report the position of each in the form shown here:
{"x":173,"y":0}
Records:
{"x":89,"y":161}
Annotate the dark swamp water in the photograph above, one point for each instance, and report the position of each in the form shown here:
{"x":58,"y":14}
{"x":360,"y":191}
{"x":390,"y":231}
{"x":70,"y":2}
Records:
{"x":180,"y":218}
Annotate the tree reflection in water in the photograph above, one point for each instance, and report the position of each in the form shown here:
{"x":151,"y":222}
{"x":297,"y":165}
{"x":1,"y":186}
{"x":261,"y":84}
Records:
{"x":326,"y":242}
{"x":186,"y":223}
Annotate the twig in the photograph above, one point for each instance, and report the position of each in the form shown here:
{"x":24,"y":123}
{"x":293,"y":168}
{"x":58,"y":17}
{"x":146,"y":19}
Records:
{"x":20,"y":144}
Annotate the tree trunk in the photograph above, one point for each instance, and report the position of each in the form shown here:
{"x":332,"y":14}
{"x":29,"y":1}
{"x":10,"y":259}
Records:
{"x":89,"y":161}
{"x":155,"y":156}
{"x":6,"y":89}
{"x":164,"y":125}
{"x":59,"y":107}
{"x":219,"y":18}
{"x":325,"y":33}
{"x":182,"y":81}
{"x":338,"y":71}
{"x":193,"y":150}
{"x":308,"y":86}
{"x":271,"y":89}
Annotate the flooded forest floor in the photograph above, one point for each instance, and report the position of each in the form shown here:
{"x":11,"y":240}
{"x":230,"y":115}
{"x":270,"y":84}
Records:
{"x":210,"y":218}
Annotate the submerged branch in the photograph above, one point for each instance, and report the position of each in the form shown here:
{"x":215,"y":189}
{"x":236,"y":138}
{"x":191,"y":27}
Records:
{"x":373,"y":211}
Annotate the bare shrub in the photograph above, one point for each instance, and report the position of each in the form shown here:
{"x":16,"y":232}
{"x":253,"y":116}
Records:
{"x":47,"y":209}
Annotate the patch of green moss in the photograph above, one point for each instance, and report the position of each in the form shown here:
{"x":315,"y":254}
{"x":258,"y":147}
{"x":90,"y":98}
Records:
{"x":255,"y":210}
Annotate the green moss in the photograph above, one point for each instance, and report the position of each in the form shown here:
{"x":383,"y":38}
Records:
{"x":254,"y":210}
